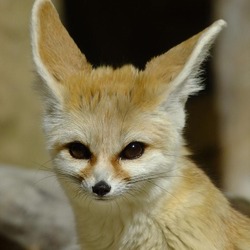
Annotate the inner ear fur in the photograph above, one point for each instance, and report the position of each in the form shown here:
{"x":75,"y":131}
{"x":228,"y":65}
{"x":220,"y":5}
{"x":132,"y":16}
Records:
{"x":55,"y":53}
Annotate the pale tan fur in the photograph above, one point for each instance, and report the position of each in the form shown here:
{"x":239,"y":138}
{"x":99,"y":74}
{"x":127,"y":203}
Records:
{"x":160,"y":200}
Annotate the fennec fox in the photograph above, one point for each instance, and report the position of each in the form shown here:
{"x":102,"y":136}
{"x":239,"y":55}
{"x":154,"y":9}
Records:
{"x":115,"y":136}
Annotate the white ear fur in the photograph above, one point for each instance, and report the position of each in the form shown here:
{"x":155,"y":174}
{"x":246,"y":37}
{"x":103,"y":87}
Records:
{"x":179,"y":70}
{"x":55,"y":54}
{"x":35,"y":29}
{"x":198,"y":55}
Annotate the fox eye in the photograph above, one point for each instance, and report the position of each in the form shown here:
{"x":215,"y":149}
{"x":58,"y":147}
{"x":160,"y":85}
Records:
{"x":79,"y":151}
{"x":132,"y":151}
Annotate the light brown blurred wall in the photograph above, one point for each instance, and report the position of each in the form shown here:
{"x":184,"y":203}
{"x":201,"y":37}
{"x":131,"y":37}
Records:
{"x":21,"y":138}
{"x":233,"y":94}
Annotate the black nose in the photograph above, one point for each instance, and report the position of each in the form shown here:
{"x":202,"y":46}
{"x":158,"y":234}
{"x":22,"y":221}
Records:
{"x":101,"y":188}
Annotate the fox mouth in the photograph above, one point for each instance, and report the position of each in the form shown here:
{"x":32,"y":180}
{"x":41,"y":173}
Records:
{"x":102,"y":199}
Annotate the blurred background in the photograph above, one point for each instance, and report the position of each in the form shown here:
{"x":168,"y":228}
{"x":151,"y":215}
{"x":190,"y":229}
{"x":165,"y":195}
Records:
{"x":116,"y":32}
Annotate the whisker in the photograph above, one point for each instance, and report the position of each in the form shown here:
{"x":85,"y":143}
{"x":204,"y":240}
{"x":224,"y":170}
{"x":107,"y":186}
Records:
{"x":42,"y":166}
{"x":164,"y":174}
{"x":45,"y":178}
{"x":164,"y":189}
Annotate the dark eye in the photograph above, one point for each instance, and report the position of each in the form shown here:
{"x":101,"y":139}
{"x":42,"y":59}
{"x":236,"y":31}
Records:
{"x":79,"y":151}
{"x":132,"y":151}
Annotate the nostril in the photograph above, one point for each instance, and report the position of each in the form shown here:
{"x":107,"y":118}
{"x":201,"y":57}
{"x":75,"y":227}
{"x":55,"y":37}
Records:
{"x":101,"y":188}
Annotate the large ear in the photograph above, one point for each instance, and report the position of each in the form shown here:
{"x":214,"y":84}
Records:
{"x":178,"y":69}
{"x":55,"y":54}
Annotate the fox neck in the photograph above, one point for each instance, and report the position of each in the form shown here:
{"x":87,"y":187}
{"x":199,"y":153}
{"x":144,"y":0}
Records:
{"x":101,"y":227}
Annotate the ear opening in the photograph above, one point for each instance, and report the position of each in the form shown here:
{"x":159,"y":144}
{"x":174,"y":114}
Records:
{"x":55,"y":54}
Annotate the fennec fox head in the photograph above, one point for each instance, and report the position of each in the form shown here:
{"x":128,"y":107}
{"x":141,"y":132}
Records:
{"x":114,"y":133}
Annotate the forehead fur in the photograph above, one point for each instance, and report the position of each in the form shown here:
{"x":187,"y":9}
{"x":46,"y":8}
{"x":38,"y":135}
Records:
{"x":125,"y":88}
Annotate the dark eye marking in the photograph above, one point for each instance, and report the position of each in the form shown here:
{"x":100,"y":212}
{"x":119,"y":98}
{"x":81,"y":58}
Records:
{"x":79,"y":151}
{"x":133,"y":151}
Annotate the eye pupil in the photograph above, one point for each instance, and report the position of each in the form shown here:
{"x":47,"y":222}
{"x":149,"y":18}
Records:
{"x":132,"y":151}
{"x":79,"y":151}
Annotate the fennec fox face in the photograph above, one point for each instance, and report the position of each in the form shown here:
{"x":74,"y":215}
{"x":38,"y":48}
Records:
{"x":114,"y":133}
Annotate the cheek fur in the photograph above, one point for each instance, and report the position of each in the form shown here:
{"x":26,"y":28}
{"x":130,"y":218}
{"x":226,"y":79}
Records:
{"x":151,"y":163}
